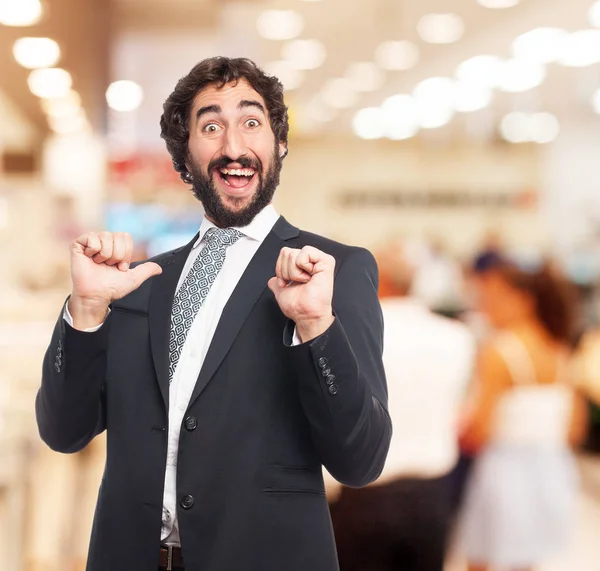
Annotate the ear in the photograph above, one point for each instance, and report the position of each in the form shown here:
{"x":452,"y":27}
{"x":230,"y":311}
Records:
{"x":282,"y":150}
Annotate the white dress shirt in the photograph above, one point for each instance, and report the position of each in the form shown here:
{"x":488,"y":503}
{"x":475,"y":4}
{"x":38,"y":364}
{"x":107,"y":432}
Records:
{"x":198,"y":341}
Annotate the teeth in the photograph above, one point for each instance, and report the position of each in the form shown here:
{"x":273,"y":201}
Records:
{"x":238,"y":172}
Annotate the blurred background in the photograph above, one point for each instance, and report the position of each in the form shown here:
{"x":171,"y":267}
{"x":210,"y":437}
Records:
{"x":451,"y":127}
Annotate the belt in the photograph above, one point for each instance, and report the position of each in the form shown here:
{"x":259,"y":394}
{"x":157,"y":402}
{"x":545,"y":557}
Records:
{"x":170,"y":558}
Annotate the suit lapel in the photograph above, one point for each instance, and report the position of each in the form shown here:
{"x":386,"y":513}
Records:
{"x":253,"y":282}
{"x":161,"y":302}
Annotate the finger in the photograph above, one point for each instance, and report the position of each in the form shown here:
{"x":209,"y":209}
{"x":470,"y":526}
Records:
{"x":285,"y":260}
{"x":106,"y":248}
{"x":279,"y":264}
{"x":141,"y":273}
{"x":294,"y":272}
{"x":314,"y":255}
{"x":320,"y":260}
{"x":118,"y":250}
{"x":286,"y":255}
{"x":128,"y":249}
{"x":88,"y":243}
{"x":303,"y":261}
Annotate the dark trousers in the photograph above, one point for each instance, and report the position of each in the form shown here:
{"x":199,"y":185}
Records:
{"x":400,"y":526}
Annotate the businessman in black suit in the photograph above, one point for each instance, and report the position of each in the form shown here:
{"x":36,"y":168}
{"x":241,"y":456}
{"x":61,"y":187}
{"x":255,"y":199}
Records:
{"x":227,"y":372}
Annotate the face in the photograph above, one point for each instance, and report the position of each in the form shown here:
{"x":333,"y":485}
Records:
{"x":234,"y":158}
{"x":502,"y":303}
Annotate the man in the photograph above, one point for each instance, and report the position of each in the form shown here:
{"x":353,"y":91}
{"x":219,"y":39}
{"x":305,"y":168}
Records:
{"x":228,"y":371}
{"x":403,"y":520}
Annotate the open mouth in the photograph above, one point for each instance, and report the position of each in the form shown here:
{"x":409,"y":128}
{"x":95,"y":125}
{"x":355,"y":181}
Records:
{"x":237,"y":179}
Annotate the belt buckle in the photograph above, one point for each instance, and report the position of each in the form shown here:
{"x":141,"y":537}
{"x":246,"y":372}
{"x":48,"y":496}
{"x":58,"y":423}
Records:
{"x":169,"y":558}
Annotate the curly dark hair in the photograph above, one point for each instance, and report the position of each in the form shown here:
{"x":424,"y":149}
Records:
{"x":555,"y":297}
{"x":217,"y":71}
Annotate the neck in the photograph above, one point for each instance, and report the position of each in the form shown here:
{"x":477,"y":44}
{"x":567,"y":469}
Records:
{"x":530,"y":327}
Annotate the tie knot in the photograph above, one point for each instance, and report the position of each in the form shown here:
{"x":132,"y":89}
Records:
{"x":222,"y":236}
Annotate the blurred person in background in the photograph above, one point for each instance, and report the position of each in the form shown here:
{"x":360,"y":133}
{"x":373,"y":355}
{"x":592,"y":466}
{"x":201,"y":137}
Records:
{"x":438,"y":279}
{"x":225,"y":372}
{"x":402,"y":521}
{"x":526,"y":416}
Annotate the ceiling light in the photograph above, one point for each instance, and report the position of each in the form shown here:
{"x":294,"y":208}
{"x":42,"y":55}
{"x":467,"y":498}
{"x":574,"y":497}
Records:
{"x":400,"y":117}
{"x":124,"y":95}
{"x":517,"y":75}
{"x":34,"y":53}
{"x":401,"y":131}
{"x":471,"y":97}
{"x":304,"y":54}
{"x":441,"y":28}
{"x":397,"y":55}
{"x":580,"y":49}
{"x":435,"y":91}
{"x":498,"y":4}
{"x":365,"y":76}
{"x":290,"y":77}
{"x":594,"y":14}
{"x":538,"y":128}
{"x":368,"y":123}
{"x":542,"y":45}
{"x":435,"y":102}
{"x":399,"y":105}
{"x":481,"y":70}
{"x":49,"y":82}
{"x":514,"y":127}
{"x":434,"y":118}
{"x":20,"y":12}
{"x":543,"y":128}
{"x":70,"y":104}
{"x":339,"y":93}
{"x":280,"y":24}
{"x":596,"y":102}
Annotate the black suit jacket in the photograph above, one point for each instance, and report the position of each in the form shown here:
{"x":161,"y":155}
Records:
{"x":263,"y":417}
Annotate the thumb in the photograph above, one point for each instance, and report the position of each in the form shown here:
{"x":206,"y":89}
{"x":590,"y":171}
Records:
{"x":275,"y":287}
{"x":141,"y":273}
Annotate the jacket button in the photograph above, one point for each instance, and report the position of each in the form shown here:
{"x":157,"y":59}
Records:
{"x":330,"y":379}
{"x":326,"y":372}
{"x":322,"y":362}
{"x":333,"y":390}
{"x":187,"y":502}
{"x":57,"y":367}
{"x":190,"y":423}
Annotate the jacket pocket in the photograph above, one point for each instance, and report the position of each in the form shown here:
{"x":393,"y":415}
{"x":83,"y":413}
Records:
{"x":282,"y":479}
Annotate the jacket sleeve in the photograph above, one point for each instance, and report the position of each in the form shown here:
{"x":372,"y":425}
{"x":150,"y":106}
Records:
{"x":69,"y":405}
{"x":341,"y":380}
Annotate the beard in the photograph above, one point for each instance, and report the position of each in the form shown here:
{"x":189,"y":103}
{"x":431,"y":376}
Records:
{"x":203,"y":187}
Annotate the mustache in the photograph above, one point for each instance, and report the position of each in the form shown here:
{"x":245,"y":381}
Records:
{"x":224,"y":162}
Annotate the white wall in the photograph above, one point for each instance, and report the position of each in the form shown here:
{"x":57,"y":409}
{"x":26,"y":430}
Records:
{"x":316,"y":172}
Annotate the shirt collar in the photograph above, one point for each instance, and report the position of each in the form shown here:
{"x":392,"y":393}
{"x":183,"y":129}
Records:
{"x":257,"y":230}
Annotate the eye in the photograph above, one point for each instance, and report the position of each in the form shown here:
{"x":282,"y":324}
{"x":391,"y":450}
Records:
{"x":252,"y":123}
{"x":211,"y":128}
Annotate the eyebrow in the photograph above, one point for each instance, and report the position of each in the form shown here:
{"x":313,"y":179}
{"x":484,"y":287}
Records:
{"x":251,"y":103}
{"x":208,"y":109}
{"x":241,"y":105}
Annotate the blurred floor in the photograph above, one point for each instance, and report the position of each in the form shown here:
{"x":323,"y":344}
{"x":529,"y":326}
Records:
{"x":584,"y":554}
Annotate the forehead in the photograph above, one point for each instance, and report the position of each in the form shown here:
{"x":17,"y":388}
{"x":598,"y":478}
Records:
{"x":226,"y":97}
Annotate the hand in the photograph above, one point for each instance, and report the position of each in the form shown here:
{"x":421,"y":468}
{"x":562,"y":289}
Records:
{"x":303,"y":288}
{"x":100,"y":275}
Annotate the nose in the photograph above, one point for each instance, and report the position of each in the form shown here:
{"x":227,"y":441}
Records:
{"x":234,"y":145}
